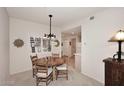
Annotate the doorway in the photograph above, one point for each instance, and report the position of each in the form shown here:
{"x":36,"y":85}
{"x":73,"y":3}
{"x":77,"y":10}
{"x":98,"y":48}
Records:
{"x":71,"y":47}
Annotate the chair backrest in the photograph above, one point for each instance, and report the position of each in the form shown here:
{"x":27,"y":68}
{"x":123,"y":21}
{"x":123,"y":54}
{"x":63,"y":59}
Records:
{"x":59,"y":61}
{"x":66,"y":59}
{"x":55,"y":55}
{"x":49,"y":58}
{"x":42,"y":65}
{"x":34,"y":59}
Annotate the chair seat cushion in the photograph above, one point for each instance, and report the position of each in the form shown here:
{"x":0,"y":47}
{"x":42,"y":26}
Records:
{"x":62,"y":67}
{"x":44,"y":74}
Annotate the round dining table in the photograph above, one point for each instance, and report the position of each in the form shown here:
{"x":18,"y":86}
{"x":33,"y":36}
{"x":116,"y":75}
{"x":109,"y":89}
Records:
{"x":53,"y":61}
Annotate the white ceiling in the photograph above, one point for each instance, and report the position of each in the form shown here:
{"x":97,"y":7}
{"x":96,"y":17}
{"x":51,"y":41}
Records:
{"x":61,"y":15}
{"x":74,"y":32}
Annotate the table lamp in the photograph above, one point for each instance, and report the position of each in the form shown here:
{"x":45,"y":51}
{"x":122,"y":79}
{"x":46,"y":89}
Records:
{"x":118,"y":37}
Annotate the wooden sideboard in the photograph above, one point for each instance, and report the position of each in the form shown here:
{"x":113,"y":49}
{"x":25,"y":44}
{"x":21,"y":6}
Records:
{"x":114,"y":72}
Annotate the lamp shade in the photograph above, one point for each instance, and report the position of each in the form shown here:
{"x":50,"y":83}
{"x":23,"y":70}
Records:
{"x":119,"y":36}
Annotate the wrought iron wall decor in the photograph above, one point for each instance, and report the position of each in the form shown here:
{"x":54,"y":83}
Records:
{"x":57,"y":43}
{"x":18,"y":43}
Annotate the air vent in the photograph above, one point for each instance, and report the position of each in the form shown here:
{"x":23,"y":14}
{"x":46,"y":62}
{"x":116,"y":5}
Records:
{"x":92,"y":18}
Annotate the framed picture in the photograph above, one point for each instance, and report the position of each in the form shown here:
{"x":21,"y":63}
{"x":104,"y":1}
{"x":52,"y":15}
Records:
{"x":32,"y":42}
{"x":38,"y":44}
{"x":46,"y":45}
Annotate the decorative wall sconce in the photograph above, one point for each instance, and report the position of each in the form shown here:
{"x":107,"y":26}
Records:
{"x":118,"y":37}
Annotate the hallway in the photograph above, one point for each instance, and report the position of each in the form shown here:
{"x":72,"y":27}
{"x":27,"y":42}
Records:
{"x":72,"y":62}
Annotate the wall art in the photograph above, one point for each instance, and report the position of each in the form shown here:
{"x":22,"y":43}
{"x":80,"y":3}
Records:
{"x":18,"y":43}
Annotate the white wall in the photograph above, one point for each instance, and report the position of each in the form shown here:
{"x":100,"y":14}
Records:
{"x":20,"y":57}
{"x":95,"y":36}
{"x":4,"y":46}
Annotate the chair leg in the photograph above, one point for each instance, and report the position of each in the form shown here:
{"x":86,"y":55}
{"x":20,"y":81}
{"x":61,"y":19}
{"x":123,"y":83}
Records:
{"x":33,"y":73}
{"x":56,"y":75}
{"x":67,"y":75}
{"x":37,"y":81}
{"x":46,"y":83}
{"x":52,"y":76}
{"x":37,"y":84}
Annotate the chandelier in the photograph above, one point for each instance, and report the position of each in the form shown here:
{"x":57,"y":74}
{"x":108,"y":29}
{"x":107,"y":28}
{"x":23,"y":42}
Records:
{"x":50,"y":35}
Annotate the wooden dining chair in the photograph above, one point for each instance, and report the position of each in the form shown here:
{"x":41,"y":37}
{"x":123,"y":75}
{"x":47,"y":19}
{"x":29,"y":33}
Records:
{"x":44,"y":73}
{"x":34,"y":61}
{"x":55,"y":55}
{"x":62,"y":70}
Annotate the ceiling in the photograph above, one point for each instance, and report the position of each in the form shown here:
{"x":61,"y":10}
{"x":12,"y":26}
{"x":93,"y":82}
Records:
{"x":71,"y":32}
{"x":61,"y":15}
